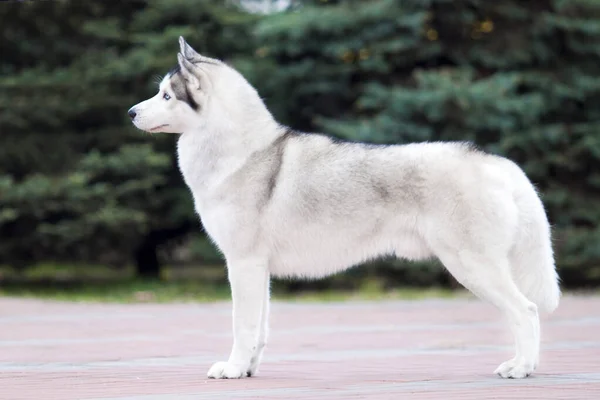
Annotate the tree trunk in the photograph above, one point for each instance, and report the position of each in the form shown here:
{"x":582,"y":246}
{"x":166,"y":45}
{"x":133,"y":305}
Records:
{"x":146,"y":258}
{"x":146,"y":255}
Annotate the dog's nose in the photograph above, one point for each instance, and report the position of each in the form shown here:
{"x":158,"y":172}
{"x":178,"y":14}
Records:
{"x":131,"y":113}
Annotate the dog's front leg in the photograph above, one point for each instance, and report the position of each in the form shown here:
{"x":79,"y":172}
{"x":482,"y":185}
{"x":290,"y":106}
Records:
{"x":248,"y":280}
{"x":264,"y":330}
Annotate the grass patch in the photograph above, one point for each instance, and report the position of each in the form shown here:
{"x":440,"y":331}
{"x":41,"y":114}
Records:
{"x":137,"y":291}
{"x":127,"y":291}
{"x":197,"y":284}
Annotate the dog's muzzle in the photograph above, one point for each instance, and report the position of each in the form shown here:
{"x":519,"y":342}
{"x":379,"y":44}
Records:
{"x":131,"y":113}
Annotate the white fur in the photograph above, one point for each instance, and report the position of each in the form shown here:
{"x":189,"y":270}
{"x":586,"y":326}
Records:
{"x":310,"y":207}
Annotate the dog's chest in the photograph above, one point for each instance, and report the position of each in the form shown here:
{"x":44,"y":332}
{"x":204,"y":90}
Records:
{"x":189,"y":159}
{"x":224,"y":207}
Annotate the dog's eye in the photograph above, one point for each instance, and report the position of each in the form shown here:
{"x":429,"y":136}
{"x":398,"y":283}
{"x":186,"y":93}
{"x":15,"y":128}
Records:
{"x":166,"y":96}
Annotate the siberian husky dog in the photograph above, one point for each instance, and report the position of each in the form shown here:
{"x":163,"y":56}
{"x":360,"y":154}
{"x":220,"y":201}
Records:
{"x":287,"y":204}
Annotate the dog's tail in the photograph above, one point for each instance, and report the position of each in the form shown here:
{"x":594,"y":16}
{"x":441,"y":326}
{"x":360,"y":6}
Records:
{"x":532,"y":257}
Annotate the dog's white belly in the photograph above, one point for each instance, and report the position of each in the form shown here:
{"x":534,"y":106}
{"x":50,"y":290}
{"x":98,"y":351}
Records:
{"x":318,"y":252}
{"x":300,"y":246}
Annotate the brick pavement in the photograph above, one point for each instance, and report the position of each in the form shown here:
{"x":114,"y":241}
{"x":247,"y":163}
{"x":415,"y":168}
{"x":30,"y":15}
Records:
{"x":435,"y":349}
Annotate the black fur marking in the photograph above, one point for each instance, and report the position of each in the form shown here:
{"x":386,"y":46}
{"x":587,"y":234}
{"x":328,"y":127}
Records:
{"x":180,"y":87}
{"x":190,"y":99}
{"x":174,"y":71}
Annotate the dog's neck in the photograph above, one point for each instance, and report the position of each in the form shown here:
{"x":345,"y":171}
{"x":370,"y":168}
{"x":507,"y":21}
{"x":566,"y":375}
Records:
{"x":212,"y":152}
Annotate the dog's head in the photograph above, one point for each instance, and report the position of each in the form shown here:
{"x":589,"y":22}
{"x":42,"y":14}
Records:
{"x":197,"y":92}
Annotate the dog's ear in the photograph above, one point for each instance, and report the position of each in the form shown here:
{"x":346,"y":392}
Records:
{"x":187,"y":50}
{"x":195,"y":77}
{"x":192,"y":55}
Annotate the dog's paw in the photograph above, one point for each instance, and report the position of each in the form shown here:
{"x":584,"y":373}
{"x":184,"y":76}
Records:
{"x":225,"y":370}
{"x":516,"y":368}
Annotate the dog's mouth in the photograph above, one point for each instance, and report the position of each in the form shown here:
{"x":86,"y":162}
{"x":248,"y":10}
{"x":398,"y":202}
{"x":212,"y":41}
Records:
{"x":158,"y":127}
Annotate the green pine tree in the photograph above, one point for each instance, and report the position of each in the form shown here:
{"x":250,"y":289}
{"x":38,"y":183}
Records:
{"x":77,"y":181}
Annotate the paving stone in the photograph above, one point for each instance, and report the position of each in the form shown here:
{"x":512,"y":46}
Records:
{"x":433,"y":349}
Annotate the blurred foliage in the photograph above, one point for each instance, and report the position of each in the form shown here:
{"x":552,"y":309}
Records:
{"x":78,"y":183}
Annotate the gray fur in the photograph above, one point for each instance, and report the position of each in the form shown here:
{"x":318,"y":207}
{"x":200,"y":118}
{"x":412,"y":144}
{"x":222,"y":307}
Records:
{"x":278,"y":150}
{"x":180,"y":88}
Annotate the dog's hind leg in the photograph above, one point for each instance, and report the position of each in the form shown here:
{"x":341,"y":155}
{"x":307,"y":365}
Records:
{"x":489,"y":278}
